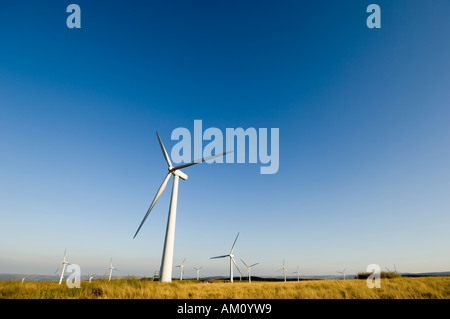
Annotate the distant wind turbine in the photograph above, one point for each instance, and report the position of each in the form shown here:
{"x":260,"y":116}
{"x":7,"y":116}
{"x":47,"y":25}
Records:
{"x":167,"y":257}
{"x":232,"y":261}
{"x":198,"y":272}
{"x":90,"y":277}
{"x":298,"y":273}
{"x":111,"y":268}
{"x":248,"y":270}
{"x":284,"y":269}
{"x":181,"y":268}
{"x":342,"y":272}
{"x":23,"y":279}
{"x":64,"y":263}
{"x":395,"y":269}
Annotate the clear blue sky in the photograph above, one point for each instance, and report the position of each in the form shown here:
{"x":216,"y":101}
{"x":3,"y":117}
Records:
{"x":363,"y":116}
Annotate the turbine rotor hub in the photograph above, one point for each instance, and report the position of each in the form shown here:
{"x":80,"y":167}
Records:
{"x":178,"y":173}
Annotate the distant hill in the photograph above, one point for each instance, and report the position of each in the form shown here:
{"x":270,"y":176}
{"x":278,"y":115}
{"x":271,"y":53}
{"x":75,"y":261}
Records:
{"x":37,"y":277}
{"x":28,"y":277}
{"x":426,"y":274}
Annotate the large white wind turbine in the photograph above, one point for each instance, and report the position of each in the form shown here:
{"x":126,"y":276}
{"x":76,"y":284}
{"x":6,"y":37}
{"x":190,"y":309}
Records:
{"x":167,"y":256}
{"x":248,"y":270}
{"x":111,"y":268}
{"x":198,"y":271}
{"x":64,"y":263}
{"x":232,"y":261}
{"x":284,"y":269}
{"x":181,"y":268}
{"x":342,"y":272}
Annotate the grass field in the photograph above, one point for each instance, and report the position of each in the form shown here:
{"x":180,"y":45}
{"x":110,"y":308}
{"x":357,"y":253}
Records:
{"x":395,"y":288}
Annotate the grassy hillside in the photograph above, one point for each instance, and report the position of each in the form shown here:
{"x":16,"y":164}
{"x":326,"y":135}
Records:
{"x":405,"y":288}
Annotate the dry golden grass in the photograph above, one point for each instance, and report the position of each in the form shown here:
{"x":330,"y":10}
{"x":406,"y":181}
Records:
{"x":396,"y":288}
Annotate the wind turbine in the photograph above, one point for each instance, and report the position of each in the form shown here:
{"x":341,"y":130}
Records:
{"x":23,"y":279}
{"x":111,"y":268}
{"x":342,"y":272}
{"x":284,"y":269}
{"x":64,"y":263}
{"x":298,"y":273}
{"x":395,"y":269}
{"x":167,"y":256}
{"x":232,"y":261}
{"x":90,"y":277}
{"x":181,"y":268}
{"x":198,"y":271}
{"x":248,"y":270}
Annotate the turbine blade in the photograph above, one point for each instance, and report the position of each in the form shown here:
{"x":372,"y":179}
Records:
{"x":158,"y":194}
{"x":223,"y":256}
{"x":234,"y":262}
{"x":200,"y":160}
{"x":234,"y":244}
{"x":244,"y":263}
{"x":163,"y":149}
{"x":254,"y":265}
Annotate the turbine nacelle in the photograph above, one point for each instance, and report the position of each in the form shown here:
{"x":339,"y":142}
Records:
{"x":178,"y":173}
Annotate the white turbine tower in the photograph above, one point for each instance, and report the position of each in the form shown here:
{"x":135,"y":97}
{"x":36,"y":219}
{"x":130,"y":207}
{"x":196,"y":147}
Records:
{"x":181,"y":268}
{"x":167,"y":256}
{"x":248,"y":270}
{"x":111,"y":268}
{"x":232,"y":261}
{"x":342,"y":272}
{"x":90,"y":277}
{"x":284,"y":269}
{"x":298,"y":273}
{"x":64,"y":263}
{"x":198,"y":272}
